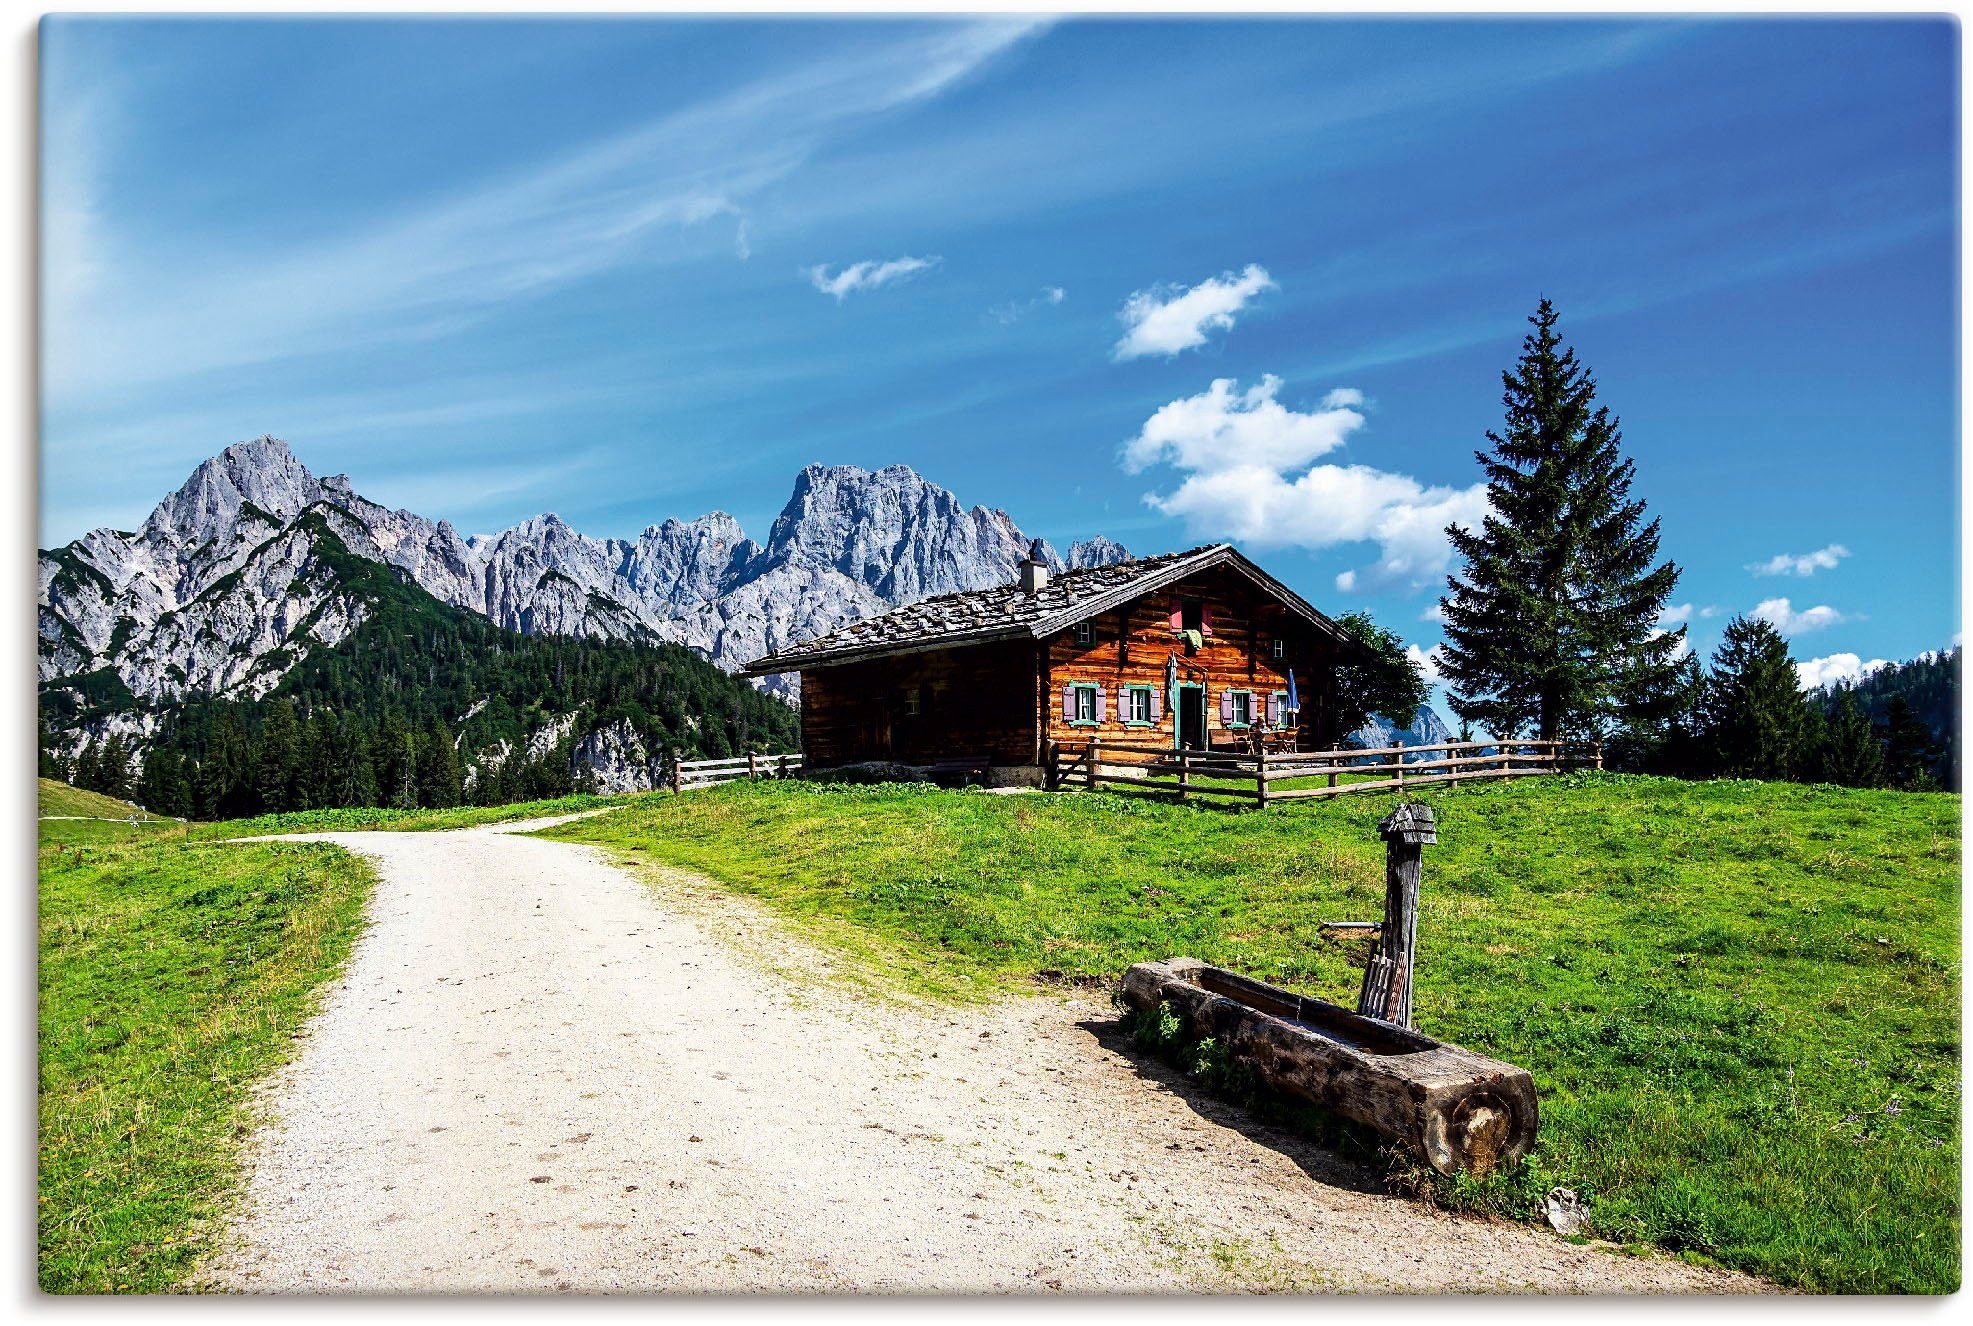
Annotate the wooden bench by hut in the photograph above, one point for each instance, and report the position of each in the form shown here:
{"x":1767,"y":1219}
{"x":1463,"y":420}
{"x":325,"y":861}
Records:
{"x":1195,"y":650}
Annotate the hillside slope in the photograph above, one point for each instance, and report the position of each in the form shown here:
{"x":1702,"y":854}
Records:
{"x":59,"y":798}
{"x":1740,"y":1001}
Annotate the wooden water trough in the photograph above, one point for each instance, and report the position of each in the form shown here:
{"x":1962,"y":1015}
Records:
{"x":1456,"y":1109}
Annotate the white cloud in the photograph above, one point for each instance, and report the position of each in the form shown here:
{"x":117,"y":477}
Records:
{"x":1435,"y":613}
{"x":866,"y":275}
{"x":1427,"y":661}
{"x":1167,"y":319}
{"x":1246,"y":461}
{"x":1820,"y":672}
{"x":1782,"y":615}
{"x":1672,"y":614}
{"x":1801,"y":564}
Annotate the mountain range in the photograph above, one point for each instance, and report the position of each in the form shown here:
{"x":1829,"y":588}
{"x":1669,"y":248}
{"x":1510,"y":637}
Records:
{"x":232,"y":579}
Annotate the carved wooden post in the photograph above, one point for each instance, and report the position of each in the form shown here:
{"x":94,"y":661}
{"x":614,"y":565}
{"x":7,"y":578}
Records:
{"x":1387,"y":980}
{"x":1095,"y":754}
{"x":753,"y":770}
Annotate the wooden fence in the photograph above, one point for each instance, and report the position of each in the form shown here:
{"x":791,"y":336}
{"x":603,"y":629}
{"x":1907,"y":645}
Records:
{"x":1299,"y":775}
{"x":688,"y":774}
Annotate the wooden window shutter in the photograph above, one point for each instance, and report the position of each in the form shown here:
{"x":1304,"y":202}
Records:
{"x":1177,"y":615}
{"x":1226,"y":706}
{"x":1157,"y":705}
{"x":1069,"y":703}
{"x":1099,"y":705}
{"x":1205,"y":618}
{"x":1274,"y":711}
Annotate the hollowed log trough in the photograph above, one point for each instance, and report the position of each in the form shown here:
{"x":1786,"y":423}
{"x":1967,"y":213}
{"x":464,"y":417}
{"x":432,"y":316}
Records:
{"x":1455,"y":1109}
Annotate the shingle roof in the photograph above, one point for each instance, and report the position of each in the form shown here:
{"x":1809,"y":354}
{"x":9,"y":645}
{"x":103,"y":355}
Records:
{"x":1009,"y":612}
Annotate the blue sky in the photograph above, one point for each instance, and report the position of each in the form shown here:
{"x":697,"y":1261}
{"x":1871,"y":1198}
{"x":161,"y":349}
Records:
{"x":1170,"y":281}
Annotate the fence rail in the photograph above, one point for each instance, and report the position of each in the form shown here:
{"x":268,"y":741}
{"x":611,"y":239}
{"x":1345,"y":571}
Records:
{"x":1271,"y":776}
{"x":688,"y":774}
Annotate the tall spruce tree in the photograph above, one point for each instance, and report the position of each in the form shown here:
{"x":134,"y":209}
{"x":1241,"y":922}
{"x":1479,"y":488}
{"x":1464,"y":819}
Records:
{"x":1758,"y":722}
{"x":1552,"y":622}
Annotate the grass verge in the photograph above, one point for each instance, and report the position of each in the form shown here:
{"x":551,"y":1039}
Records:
{"x":173,"y":976}
{"x":1739,"y":1000}
{"x":363,"y":819}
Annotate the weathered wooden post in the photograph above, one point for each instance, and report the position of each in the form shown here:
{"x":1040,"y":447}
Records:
{"x":1184,"y":771}
{"x":1596,"y":750}
{"x":784,"y":766}
{"x":753,"y":769}
{"x":1095,"y":754}
{"x":677,"y":772}
{"x":1260,"y":779}
{"x":1387,"y":980}
{"x":1399,"y":743}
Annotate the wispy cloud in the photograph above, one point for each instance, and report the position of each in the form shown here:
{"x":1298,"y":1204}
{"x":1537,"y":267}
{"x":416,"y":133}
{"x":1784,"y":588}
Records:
{"x":1246,"y":460}
{"x":1785,"y":618}
{"x":866,"y":275}
{"x":1833,"y":668}
{"x":1015,"y":309}
{"x":1672,"y":614}
{"x":643,"y":195}
{"x":1800,"y":564}
{"x":1167,"y":319}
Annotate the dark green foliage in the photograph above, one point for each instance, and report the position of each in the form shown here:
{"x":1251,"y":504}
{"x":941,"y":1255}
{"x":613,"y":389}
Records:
{"x":1381,"y":681}
{"x":1551,"y":626}
{"x":1909,"y":752}
{"x":1930,"y":686}
{"x":1851,"y":754}
{"x":395,"y":713}
{"x":1758,"y":722}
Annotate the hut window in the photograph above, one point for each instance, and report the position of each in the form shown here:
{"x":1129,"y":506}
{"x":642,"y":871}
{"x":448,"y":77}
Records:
{"x":1277,"y":709}
{"x":1085,"y":633}
{"x":1085,"y":704}
{"x":1237,"y":708}
{"x":1191,"y":615}
{"x":911,"y":702}
{"x":1279,"y":646}
{"x":1137,"y":706}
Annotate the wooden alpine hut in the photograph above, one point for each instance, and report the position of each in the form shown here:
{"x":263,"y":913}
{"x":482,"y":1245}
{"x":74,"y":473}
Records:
{"x":1199,"y":650}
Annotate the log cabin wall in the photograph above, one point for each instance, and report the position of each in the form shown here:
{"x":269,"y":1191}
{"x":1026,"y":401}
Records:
{"x":1128,"y":647}
{"x":968,"y":703}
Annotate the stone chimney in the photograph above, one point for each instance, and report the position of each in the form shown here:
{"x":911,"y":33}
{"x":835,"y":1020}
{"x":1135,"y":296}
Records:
{"x":1034,"y":570}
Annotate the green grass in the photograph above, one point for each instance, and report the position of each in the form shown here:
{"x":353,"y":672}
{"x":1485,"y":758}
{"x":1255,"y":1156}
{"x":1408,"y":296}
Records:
{"x":1740,"y":1001}
{"x":373,"y":818}
{"x":59,"y":798}
{"x":173,"y":976}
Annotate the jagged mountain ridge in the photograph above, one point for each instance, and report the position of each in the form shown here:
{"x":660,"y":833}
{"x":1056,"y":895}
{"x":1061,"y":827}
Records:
{"x":218,"y":592}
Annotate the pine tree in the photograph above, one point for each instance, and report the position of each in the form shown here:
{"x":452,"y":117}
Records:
{"x":163,"y":788}
{"x":438,"y":769}
{"x":113,"y":768}
{"x":1851,"y":755}
{"x":83,"y":775}
{"x":276,"y":757}
{"x":1909,"y":751}
{"x":1552,"y":622}
{"x":1757,"y":719}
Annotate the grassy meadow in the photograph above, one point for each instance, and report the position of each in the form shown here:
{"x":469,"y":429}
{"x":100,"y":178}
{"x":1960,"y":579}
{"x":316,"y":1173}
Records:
{"x":1740,"y":1001}
{"x":59,"y":798}
{"x":173,"y":975}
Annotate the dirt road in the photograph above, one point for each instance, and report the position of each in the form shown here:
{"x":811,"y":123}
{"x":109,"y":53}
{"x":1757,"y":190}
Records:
{"x":541,"y":1072}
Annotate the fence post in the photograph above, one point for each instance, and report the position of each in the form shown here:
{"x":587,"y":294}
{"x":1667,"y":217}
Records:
{"x":1596,"y":752}
{"x":677,"y":772}
{"x":784,"y":766}
{"x":1184,"y":771}
{"x":753,"y":770}
{"x":1095,"y":754}
{"x":1051,"y":765}
{"x":1387,"y":980}
{"x":1260,"y":779}
{"x":1399,"y":743}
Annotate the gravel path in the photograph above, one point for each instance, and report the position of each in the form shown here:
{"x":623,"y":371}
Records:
{"x":543,"y":1073}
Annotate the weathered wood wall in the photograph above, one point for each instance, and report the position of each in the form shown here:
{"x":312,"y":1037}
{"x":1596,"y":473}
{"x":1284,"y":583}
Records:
{"x":975,"y":702}
{"x":1132,"y":644}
